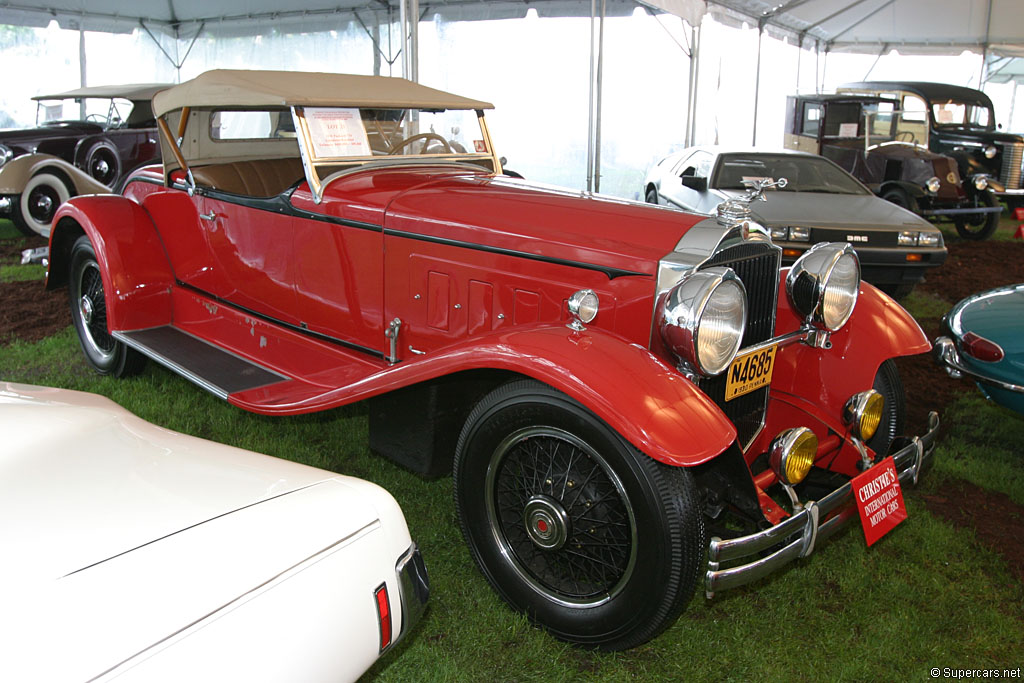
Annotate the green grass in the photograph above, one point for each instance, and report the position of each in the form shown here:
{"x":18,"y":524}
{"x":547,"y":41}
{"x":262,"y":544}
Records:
{"x":927,"y":595}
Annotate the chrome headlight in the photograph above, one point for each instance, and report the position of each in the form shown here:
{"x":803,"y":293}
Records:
{"x":704,"y":317}
{"x":980,"y":182}
{"x":5,"y":154}
{"x":991,"y":151}
{"x":933,"y":184}
{"x":583,"y":306}
{"x":823,"y":284}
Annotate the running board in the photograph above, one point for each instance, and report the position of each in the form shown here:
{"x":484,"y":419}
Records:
{"x":212,"y":368}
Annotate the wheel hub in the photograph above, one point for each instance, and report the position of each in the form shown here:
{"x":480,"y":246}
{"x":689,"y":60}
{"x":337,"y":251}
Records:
{"x":44,"y":203}
{"x":86,"y":308}
{"x":101,"y":167}
{"x":547,"y":523}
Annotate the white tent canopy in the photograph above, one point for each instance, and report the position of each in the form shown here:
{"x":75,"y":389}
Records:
{"x":911,"y":26}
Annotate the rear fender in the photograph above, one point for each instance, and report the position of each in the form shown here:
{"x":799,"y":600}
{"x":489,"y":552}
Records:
{"x":824,"y":379}
{"x":137,"y":275}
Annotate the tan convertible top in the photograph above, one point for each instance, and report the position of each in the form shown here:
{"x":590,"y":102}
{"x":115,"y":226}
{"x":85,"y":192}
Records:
{"x":133,"y":91}
{"x":240,"y":88}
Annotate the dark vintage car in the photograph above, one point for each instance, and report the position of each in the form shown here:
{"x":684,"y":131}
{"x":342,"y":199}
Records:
{"x":983,"y":341}
{"x":618,"y":389}
{"x":85,"y":142}
{"x":881,"y":146}
{"x":819,"y":202}
{"x":959,"y":122}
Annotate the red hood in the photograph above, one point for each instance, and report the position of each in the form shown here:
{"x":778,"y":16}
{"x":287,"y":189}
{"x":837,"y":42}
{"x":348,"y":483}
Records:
{"x":510,"y":214}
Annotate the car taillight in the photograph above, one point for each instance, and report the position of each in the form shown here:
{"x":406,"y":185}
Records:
{"x":980,"y":348}
{"x":383,"y":615}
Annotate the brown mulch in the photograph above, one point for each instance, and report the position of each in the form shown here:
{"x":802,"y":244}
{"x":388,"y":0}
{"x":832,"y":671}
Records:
{"x":30,"y":313}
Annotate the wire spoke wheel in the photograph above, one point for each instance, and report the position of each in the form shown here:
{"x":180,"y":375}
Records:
{"x":561,"y":514}
{"x":571,"y":525}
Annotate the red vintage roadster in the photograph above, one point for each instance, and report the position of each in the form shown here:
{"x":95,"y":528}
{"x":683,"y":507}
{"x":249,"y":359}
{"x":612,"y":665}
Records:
{"x":634,"y":402}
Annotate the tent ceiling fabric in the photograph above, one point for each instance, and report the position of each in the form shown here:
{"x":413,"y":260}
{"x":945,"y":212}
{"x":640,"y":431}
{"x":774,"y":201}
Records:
{"x":910,"y":26}
{"x":182,"y":18}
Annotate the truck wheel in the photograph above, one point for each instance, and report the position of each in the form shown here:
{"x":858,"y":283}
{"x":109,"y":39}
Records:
{"x":981,"y":225}
{"x":901,"y":197}
{"x":893,"y":422}
{"x":591,"y":539}
{"x":89,"y":312}
{"x":35,"y":208}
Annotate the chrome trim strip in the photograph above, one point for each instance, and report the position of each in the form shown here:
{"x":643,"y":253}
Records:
{"x":947,"y":356}
{"x":909,"y":462}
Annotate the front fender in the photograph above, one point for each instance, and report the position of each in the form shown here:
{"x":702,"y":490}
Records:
{"x":647,"y":402}
{"x":137,"y":275}
{"x":821,"y":380}
{"x":913,"y":189}
{"x":16,"y":173}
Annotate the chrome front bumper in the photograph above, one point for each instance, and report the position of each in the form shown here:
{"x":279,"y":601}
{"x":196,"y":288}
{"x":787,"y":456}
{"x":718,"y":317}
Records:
{"x":947,"y":356}
{"x":801,"y":532}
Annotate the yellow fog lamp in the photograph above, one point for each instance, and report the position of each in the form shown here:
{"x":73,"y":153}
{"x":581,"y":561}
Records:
{"x":792,"y":454}
{"x":863,"y":413}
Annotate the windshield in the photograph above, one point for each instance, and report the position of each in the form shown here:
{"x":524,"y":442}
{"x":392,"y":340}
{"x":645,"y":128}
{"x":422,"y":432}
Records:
{"x":955,"y":114}
{"x":102,"y":110}
{"x":352,"y":133}
{"x":803,"y":174}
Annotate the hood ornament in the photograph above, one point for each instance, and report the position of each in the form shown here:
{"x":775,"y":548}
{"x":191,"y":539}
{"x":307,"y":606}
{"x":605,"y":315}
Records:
{"x":735,"y":212}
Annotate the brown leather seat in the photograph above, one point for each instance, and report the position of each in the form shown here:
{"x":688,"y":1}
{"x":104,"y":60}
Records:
{"x":259,"y":178}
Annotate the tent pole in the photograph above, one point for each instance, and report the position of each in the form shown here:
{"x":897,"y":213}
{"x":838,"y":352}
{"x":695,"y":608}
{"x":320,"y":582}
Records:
{"x":600,"y":87}
{"x":590,"y":103}
{"x":691,"y":99}
{"x":757,"y":78}
{"x":81,"y":68}
{"x":414,"y":40}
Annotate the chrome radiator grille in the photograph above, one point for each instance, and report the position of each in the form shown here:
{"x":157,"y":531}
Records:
{"x":1013,"y":157}
{"x":757,"y":265}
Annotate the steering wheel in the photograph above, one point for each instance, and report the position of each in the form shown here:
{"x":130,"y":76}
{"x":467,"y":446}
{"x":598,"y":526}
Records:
{"x":904,"y":136}
{"x":99,"y":118}
{"x":421,"y":136}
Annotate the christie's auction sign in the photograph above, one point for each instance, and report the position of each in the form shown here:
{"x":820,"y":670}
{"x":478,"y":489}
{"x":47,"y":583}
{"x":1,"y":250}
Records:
{"x":879,"y":499}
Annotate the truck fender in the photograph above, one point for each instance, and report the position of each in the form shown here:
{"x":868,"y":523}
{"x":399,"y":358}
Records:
{"x":137,"y":275}
{"x":878,"y":330}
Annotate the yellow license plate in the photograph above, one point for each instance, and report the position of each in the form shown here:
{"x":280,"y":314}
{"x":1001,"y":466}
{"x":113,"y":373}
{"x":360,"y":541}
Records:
{"x":749,"y":372}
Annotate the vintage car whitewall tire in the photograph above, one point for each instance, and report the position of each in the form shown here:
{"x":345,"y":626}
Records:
{"x":593,"y":540}
{"x":979,"y":226}
{"x":34,"y":210}
{"x":89,"y":312}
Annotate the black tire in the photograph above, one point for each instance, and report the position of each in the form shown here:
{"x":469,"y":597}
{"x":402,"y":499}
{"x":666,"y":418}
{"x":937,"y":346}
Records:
{"x":651,"y":196}
{"x":33,"y":213}
{"x":979,"y":226}
{"x":890,"y":386}
{"x":103,"y":164}
{"x":591,"y":539}
{"x":105,"y":354}
{"x":901,"y":197}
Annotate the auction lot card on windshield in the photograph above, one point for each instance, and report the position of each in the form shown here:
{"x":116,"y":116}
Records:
{"x":337,"y":133}
{"x":879,"y":499}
